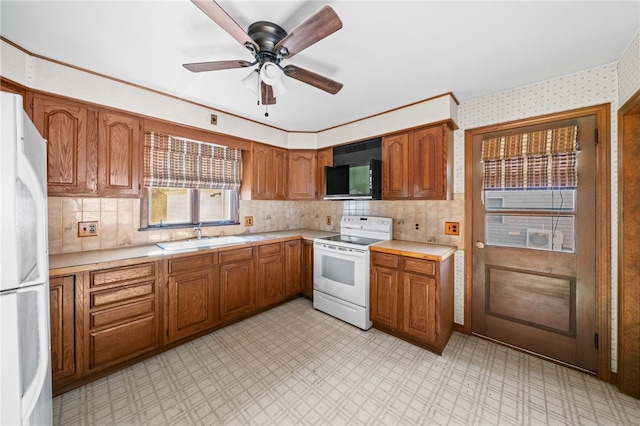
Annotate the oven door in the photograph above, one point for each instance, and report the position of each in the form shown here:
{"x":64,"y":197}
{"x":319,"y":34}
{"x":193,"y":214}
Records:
{"x":341,"y":272}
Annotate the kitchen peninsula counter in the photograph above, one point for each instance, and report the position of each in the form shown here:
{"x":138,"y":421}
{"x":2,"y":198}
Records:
{"x":427,"y":251}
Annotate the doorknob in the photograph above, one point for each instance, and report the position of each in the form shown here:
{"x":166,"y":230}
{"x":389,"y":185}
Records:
{"x":479,"y":244}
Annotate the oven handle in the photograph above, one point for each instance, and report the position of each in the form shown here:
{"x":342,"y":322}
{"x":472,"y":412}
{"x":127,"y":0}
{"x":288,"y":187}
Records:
{"x":340,"y":251}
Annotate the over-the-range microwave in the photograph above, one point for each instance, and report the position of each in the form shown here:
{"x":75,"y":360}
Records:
{"x":353,"y":181}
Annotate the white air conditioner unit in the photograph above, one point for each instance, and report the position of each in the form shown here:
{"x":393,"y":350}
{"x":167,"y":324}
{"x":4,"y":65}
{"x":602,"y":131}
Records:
{"x":541,"y":239}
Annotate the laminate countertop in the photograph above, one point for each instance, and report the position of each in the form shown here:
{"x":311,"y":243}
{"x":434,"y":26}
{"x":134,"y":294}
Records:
{"x":436,"y":252}
{"x":65,"y":263}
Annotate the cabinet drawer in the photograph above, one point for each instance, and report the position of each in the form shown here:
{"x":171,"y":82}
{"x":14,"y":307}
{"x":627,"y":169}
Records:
{"x":122,"y":275}
{"x":384,"y":259}
{"x":420,"y":266}
{"x":118,"y":344}
{"x":121,"y":294}
{"x":191,"y":262}
{"x":236,"y":255}
{"x":121,"y":313}
{"x":269,"y":250}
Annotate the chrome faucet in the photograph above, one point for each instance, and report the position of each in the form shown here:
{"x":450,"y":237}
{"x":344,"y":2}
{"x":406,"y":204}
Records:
{"x":198,"y":231}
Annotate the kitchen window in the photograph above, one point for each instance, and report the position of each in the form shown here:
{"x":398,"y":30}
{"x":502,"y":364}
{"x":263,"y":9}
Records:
{"x":189,"y":182}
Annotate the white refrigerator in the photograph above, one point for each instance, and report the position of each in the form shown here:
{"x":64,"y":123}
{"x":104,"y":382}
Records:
{"x":25,"y":360}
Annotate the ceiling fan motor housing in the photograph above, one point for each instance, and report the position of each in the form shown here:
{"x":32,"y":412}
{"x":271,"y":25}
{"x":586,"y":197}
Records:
{"x":267,"y":35}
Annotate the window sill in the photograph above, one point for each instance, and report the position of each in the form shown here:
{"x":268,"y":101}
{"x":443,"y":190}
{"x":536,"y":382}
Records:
{"x":188,"y":225}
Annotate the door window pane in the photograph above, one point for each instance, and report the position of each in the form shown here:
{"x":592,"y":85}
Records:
{"x":539,"y":232}
{"x":552,"y":200}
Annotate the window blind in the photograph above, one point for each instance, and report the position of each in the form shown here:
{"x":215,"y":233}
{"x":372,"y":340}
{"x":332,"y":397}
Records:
{"x":178,"y":163}
{"x":546,"y":159}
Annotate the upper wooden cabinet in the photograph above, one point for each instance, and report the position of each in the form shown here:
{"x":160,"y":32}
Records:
{"x":325,"y":158}
{"x":90,"y":151}
{"x":416,"y":164}
{"x":302,"y":175}
{"x":71,"y":134}
{"x":119,"y":155}
{"x":269,"y":173}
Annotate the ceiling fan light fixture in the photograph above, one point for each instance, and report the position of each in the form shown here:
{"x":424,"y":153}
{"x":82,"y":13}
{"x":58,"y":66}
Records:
{"x":279,"y":88}
{"x":252,"y":81}
{"x":271,"y":74}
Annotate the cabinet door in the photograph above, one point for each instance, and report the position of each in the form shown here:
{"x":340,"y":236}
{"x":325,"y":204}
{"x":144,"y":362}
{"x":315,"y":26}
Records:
{"x":293,"y":267}
{"x":70,"y":131}
{"x":307,"y":268}
{"x":428,"y":163}
{"x":325,"y":158}
{"x":395,"y":166}
{"x":237,"y":289}
{"x":384,"y":296}
{"x":62,"y":315}
{"x":119,"y":155}
{"x":280,"y":165}
{"x":302,"y":175}
{"x":420,"y":300}
{"x":191,"y":302}
{"x":262,"y":172}
{"x":269,"y":275}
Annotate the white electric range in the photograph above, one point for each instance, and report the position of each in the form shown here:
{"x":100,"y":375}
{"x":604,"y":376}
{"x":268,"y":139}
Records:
{"x":341,"y":268}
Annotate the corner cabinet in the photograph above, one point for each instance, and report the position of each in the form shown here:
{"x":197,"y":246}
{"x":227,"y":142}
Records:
{"x":270,"y":174}
{"x":412,"y":298}
{"x":302,"y":175}
{"x":417,"y":164}
{"x":90,"y":151}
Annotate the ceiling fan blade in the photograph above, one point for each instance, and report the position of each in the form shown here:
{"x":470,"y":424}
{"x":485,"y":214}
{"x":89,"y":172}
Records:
{"x":220,"y":17}
{"x":323,"y":23}
{"x":215,"y":65}
{"x":267,"y":94}
{"x":315,"y":80}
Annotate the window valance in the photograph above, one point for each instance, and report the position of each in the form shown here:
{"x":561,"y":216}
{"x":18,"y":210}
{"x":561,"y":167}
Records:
{"x":545,"y":159}
{"x":178,"y":163}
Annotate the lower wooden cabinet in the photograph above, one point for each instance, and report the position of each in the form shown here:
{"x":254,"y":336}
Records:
{"x":292,"y":268}
{"x":122,"y":320}
{"x":192,"y":298}
{"x":269,"y":275}
{"x":307,"y":269}
{"x":237,"y":283}
{"x":63,"y":328}
{"x":412,"y":298}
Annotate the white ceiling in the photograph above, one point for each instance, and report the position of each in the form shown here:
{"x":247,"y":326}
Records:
{"x":388,"y":53}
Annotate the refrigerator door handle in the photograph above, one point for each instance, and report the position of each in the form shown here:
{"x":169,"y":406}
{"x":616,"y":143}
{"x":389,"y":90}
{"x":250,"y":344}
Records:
{"x":29,"y":178}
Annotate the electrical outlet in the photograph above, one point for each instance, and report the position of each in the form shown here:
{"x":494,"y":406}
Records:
{"x":328,"y":220}
{"x":88,"y":229}
{"x":248,"y":221}
{"x":452,"y":228}
{"x":417,"y":226}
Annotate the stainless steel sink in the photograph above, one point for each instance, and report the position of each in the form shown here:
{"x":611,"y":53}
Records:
{"x":200,"y":243}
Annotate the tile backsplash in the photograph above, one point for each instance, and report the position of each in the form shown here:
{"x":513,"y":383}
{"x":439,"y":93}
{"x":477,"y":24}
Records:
{"x":119,"y":220}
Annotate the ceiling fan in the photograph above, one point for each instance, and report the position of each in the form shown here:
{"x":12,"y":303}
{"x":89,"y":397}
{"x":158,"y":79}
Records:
{"x":270,"y":44}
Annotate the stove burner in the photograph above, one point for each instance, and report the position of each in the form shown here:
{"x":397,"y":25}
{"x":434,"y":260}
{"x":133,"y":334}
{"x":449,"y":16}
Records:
{"x":361,"y":241}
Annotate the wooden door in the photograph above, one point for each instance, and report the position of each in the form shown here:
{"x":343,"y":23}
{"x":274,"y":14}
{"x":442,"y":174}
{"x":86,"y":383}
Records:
{"x":629,"y":249}
{"x":63,"y":332}
{"x":237,"y":289}
{"x":325,"y":158}
{"x":119,"y":155}
{"x":191,"y":302}
{"x":302,"y":175}
{"x":428,"y":163}
{"x":269,"y":275}
{"x":419,"y":308}
{"x":395,"y":166}
{"x":384,"y":296}
{"x":292,"y":267}
{"x":534,"y":262}
{"x":70,"y":131}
